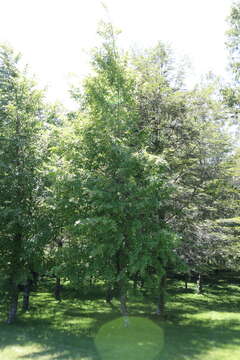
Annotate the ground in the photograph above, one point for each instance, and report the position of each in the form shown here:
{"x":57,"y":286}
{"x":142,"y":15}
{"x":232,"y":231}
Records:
{"x":197,"y":327}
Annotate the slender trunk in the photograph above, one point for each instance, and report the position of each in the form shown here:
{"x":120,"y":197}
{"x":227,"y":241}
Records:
{"x":26,"y":295}
{"x":120,"y":284}
{"x":161,"y":299}
{"x":135,"y":281}
{"x":123,"y":304}
{"x":121,"y":290}
{"x":199,"y":289}
{"x":57,"y":290}
{"x":91,"y":281}
{"x":13,"y":304}
{"x":35,"y":278}
{"x":13,"y":279}
{"x":109,"y":294}
{"x":186,"y":280}
{"x":123,"y":307}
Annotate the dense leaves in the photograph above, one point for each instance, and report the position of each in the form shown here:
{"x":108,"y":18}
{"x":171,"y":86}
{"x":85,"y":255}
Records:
{"x":140,"y":181}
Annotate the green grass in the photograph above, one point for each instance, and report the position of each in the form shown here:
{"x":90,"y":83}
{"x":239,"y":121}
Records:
{"x":201,"y":327}
{"x":134,"y":338}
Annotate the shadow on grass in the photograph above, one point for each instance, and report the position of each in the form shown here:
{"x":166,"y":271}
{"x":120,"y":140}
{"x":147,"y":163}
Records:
{"x":192,"y":341}
{"x":186,"y":341}
{"x":66,"y":330}
{"x":46,"y":341}
{"x":48,"y":333}
{"x":56,"y":330}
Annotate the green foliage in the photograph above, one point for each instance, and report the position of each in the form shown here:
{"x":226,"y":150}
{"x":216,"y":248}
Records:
{"x":115,"y":191}
{"x":231,"y":91}
{"x":21,"y":127}
{"x":233,"y":37}
{"x":127,"y":187}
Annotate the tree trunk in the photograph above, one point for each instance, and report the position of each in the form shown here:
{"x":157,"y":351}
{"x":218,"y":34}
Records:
{"x":57,"y":290}
{"x":109,"y":294}
{"x":121,"y":286}
{"x":13,"y":278}
{"x":135,"y":282}
{"x":199,"y":289}
{"x":13,"y":304}
{"x":161,"y":299}
{"x":123,"y":308}
{"x":123,"y":301}
{"x":186,"y":280}
{"x":26,"y":295}
{"x":123,"y":304}
{"x":35,"y":278}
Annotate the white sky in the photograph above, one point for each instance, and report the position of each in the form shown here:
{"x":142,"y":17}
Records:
{"x":53,"y":34}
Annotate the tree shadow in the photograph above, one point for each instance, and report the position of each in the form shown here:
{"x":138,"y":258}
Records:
{"x":66,"y":330}
{"x":193,"y":340}
{"x":57,"y":344}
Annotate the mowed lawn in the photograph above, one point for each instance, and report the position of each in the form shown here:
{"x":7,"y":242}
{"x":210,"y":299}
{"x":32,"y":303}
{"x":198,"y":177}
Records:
{"x":203,"y":327}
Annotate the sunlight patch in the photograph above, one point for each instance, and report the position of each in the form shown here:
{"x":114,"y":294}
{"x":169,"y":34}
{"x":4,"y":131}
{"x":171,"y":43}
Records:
{"x":133,"y":338}
{"x":15,"y":352}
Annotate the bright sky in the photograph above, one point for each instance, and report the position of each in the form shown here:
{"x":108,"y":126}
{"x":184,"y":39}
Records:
{"x":55,"y":35}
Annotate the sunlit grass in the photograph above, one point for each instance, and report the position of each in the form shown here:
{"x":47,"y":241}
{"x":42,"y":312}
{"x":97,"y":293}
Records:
{"x":201,"y":327}
{"x":131,"y":338}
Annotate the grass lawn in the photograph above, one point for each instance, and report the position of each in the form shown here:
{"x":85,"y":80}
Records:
{"x":201,"y":327}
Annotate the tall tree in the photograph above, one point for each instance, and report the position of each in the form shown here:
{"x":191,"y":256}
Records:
{"x":231,"y":91}
{"x":233,"y":39}
{"x":21,"y":123}
{"x":187,"y":128}
{"x":119,"y":189}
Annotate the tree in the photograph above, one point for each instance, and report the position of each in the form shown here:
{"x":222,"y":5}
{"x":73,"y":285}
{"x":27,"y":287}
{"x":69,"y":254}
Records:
{"x":233,"y":39}
{"x":21,"y":123}
{"x":231,"y":92}
{"x":187,"y":128}
{"x":116,"y":190}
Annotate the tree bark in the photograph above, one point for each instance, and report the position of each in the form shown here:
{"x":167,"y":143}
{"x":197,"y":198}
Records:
{"x":57,"y":290}
{"x":161,"y":299}
{"x":26,"y":295}
{"x":123,"y":304}
{"x":199,"y":289}
{"x":13,"y":304}
{"x":123,"y":307}
{"x":35,"y":278}
{"x":13,"y":278}
{"x":186,"y":280}
{"x":135,"y":282}
{"x":122,"y":298}
{"x":120,"y":284}
{"x":109,"y":294}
